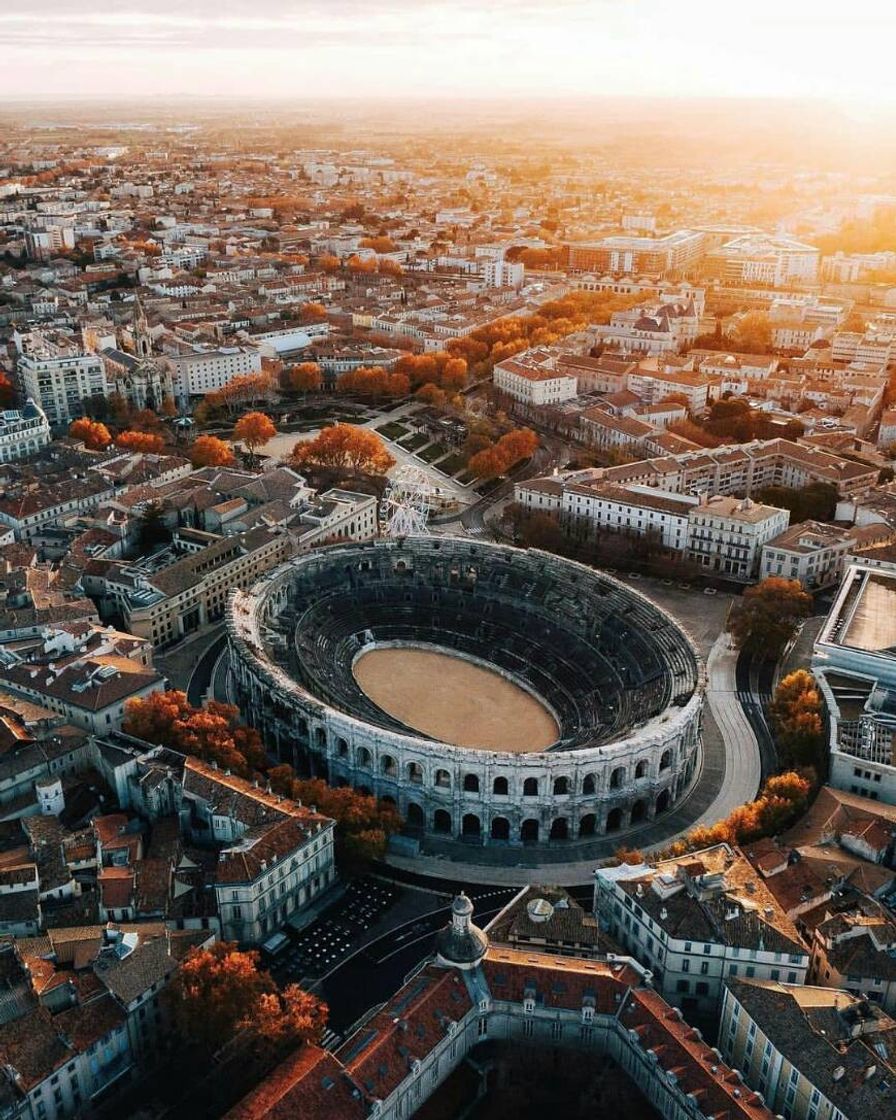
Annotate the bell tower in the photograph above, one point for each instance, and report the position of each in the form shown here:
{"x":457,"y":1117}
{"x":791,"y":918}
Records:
{"x":140,"y":330}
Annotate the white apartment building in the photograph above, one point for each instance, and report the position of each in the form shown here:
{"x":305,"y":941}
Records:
{"x":206,"y":371}
{"x":761,"y":258}
{"x":56,"y":373}
{"x":696,"y":921}
{"x":24,"y":432}
{"x":639,"y":510}
{"x":727,"y":534}
{"x":533,"y":378}
{"x":276,"y":855}
{"x":877,"y":348}
{"x":812,"y":552}
{"x":503,"y":274}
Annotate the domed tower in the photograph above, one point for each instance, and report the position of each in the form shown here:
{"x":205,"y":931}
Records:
{"x":461,"y":944}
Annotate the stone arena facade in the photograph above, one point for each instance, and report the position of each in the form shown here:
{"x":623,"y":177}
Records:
{"x":622,"y":679}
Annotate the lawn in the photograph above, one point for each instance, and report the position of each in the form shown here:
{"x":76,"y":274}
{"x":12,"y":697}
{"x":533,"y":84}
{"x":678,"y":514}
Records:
{"x":414,"y":442}
{"x":451,"y":464}
{"x":431,"y":453}
{"x":392,"y":430}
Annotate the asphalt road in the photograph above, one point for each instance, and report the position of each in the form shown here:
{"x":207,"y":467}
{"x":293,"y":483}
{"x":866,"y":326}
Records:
{"x":755,"y":677}
{"x":374,"y":973}
{"x":201,"y":678}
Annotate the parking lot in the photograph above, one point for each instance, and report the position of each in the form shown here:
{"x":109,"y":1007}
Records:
{"x":325,"y":943}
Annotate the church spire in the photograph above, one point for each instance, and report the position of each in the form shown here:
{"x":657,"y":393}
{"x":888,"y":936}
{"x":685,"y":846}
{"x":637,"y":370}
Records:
{"x":140,"y":328}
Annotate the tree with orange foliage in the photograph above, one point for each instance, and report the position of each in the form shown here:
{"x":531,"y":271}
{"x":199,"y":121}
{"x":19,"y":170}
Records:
{"x":797,"y":714}
{"x":386,"y":266}
{"x":312,"y":313}
{"x":345,"y":446}
{"x":96,"y":436}
{"x":768,"y":614}
{"x":209,"y":451}
{"x":378,"y":244}
{"x":239,"y":391}
{"x":212,"y":733}
{"x":220,"y":992}
{"x":361,"y":264}
{"x":143,"y":442}
{"x":304,"y":378}
{"x":363,"y":824}
{"x":255,"y":429}
{"x":329,"y":263}
{"x":488,"y":463}
{"x":432,"y":395}
{"x":7,"y":391}
{"x":373,"y":381}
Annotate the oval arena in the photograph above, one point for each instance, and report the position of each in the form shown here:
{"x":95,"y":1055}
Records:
{"x":595,"y":726}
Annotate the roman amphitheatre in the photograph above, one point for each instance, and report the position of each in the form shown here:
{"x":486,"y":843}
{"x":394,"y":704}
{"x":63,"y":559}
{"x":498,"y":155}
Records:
{"x":497,"y":696}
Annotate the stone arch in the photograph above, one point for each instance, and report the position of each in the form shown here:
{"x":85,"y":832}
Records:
{"x":588,"y":784}
{"x":530,"y":787}
{"x":614,"y":820}
{"x":388,"y":766}
{"x":559,"y":829}
{"x":665,"y":760}
{"x":364,"y":758}
{"x":617,"y":778}
{"x":320,"y":738}
{"x":414,"y":816}
{"x":561,"y":786}
{"x":366,"y":790}
{"x":471,"y":825}
{"x":642,"y":768}
{"x":441,"y":821}
{"x":341,"y":747}
{"x":471,"y":783}
{"x":529,"y":831}
{"x":442,"y":779}
{"x":415,"y":773}
{"x":639,"y":812}
{"x":663,"y":801}
{"x":588,"y":825}
{"x":500,"y":829}
{"x":500,"y":787}
{"x":388,"y":799}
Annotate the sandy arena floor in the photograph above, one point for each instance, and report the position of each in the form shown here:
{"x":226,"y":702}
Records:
{"x":454,"y":700}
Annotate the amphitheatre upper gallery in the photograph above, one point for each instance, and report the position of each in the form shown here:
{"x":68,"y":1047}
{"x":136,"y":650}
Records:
{"x":494,"y":694}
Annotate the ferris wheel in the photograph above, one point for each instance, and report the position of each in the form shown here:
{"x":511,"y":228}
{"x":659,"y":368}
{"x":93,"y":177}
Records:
{"x":406,"y":504}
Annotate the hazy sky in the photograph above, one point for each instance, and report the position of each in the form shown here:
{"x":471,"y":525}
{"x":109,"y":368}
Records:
{"x":386,"y":48}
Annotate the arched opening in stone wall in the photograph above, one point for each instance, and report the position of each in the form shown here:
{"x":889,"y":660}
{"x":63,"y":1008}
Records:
{"x":364,"y":758}
{"x":639,"y":811}
{"x":471,"y":783}
{"x":588,"y":825}
{"x":500,"y":829}
{"x":614,"y":820}
{"x":471,"y":826}
{"x":529,"y":832}
{"x":662,"y":802}
{"x":414,"y":816}
{"x":561,"y":786}
{"x":588,"y":785}
{"x":341,"y":747}
{"x":388,"y":766}
{"x":415,"y":773}
{"x":641,"y":769}
{"x":617,"y":778}
{"x":443,"y":779}
{"x":665,"y":760}
{"x":559,"y":829}
{"x":500,"y":787}
{"x":530,"y":787}
{"x":441,"y":821}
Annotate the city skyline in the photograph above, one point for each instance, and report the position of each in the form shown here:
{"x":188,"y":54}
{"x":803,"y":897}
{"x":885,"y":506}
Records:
{"x":273,"y":49}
